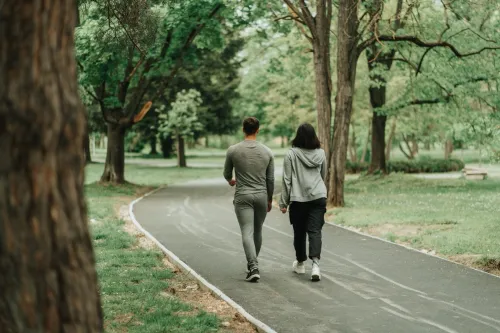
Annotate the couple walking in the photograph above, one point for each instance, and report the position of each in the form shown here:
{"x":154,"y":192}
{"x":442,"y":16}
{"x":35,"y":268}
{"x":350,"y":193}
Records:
{"x":303,"y":194}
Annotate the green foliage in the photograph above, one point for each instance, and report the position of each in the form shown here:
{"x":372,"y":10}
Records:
{"x":182,"y":119}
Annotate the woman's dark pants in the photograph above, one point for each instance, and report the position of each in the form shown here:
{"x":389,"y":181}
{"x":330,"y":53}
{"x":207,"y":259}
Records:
{"x":307,"y":218}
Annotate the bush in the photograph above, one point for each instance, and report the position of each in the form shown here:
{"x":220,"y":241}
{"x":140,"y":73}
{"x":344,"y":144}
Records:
{"x":412,"y":166}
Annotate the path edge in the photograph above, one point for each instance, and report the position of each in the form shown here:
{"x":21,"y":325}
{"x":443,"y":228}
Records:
{"x":260,"y":326}
{"x":364,"y":234}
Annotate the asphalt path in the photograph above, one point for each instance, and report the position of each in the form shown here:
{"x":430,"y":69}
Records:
{"x":368,"y":285}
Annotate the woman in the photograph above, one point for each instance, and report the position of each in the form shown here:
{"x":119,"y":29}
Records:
{"x":304,"y":193}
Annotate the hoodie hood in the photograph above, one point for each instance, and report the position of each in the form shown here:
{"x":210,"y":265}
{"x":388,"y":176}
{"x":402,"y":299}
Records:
{"x":311,"y":158}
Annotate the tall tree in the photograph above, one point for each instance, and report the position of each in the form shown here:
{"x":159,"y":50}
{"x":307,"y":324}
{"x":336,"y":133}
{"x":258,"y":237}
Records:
{"x":318,"y":34}
{"x":454,"y":32}
{"x":48,"y":279}
{"x":139,"y":43}
{"x":182,"y":121}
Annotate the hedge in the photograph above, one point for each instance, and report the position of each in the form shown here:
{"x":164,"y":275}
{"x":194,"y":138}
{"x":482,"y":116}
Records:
{"x":412,"y":166}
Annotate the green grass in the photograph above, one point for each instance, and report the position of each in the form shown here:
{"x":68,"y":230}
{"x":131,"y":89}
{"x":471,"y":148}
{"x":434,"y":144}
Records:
{"x":153,"y":175}
{"x":452,"y":217}
{"x":132,"y":279}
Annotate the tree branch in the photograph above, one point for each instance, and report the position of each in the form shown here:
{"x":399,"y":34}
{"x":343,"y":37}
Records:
{"x":417,"y":41}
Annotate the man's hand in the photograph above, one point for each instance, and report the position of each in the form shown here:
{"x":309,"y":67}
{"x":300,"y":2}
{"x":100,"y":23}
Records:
{"x":284,"y":210}
{"x":269,"y":205}
{"x":232,"y":182}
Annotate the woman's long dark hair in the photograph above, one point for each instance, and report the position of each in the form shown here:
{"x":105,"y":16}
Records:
{"x":306,"y":137}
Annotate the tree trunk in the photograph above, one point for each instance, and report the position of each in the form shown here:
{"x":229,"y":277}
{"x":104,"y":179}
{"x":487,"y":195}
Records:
{"x":367,"y":142}
{"x":323,"y":93}
{"x":392,"y":133}
{"x":114,"y":167}
{"x":376,"y":61}
{"x":414,"y":148}
{"x":427,"y":145}
{"x":181,"y":152}
{"x":207,"y":142}
{"x":282,"y":141}
{"x":153,"y":141}
{"x":378,"y":163}
{"x":448,"y":149}
{"x":167,"y":146}
{"x":353,"y":151}
{"x":48,"y":280}
{"x":347,"y":57}
{"x":86,"y":148}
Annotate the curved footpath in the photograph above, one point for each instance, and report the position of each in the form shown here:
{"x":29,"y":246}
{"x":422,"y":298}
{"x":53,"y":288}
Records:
{"x":368,"y":285}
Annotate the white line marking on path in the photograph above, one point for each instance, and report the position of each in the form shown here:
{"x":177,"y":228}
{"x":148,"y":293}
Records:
{"x":257,"y":323}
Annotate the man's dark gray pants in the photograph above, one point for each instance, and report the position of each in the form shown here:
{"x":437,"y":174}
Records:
{"x":251,"y":211}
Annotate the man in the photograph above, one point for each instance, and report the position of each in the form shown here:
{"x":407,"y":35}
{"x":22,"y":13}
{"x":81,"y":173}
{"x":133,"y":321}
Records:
{"x":253,"y":163}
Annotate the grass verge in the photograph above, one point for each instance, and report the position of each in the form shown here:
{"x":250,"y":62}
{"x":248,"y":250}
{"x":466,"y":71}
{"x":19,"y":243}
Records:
{"x":457,"y":219}
{"x":141,"y":291}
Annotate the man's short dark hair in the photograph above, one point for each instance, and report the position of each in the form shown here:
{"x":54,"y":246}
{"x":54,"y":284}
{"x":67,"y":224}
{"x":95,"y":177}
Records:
{"x":306,"y":137}
{"x":250,"y":125}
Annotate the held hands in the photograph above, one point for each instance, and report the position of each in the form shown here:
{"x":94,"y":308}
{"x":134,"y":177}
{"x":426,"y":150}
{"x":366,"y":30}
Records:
{"x":283,"y":210}
{"x":232,"y":182}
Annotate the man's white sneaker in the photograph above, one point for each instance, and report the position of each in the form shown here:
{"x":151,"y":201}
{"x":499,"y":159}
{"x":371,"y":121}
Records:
{"x":299,"y":267}
{"x":315,"y":274}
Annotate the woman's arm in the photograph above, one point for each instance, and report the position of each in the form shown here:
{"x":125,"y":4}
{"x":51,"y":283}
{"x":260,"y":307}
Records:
{"x":287,"y":182}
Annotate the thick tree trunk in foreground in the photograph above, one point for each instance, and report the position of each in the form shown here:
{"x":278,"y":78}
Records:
{"x":181,"y":152}
{"x":347,"y":57}
{"x":114,"y":166}
{"x":48,"y":282}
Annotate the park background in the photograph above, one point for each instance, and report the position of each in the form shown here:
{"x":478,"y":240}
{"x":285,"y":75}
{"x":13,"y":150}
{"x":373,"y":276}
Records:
{"x":438,"y":107}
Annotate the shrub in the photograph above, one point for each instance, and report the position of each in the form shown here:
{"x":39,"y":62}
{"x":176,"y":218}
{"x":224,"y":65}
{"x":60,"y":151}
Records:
{"x":412,"y":166}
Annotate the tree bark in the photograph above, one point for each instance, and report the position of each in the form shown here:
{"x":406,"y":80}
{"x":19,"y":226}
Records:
{"x":114,"y":166}
{"x":392,"y":133}
{"x":153,"y":141}
{"x":181,"y":152}
{"x":378,"y":163}
{"x":323,"y":92}
{"x":353,"y":151}
{"x":48,"y":280}
{"x":86,"y":148}
{"x":167,"y":146}
{"x":448,"y":149}
{"x":347,"y":57}
{"x":367,"y":142}
{"x":378,"y":100}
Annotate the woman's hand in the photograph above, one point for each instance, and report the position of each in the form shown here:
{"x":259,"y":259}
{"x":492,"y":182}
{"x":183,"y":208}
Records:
{"x":283,"y":210}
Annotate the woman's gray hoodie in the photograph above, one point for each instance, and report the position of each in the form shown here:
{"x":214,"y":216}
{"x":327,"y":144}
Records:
{"x":304,"y":172}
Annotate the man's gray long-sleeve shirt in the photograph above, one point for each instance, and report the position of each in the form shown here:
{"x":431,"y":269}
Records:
{"x":253,"y":164}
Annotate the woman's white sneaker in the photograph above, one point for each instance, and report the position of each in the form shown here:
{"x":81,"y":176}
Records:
{"x":299,"y":267}
{"x":316,"y":273}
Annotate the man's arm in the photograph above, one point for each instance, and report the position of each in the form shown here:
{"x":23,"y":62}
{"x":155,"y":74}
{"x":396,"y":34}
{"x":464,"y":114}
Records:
{"x":228,"y":167}
{"x":287,"y":182}
{"x":270,"y":179}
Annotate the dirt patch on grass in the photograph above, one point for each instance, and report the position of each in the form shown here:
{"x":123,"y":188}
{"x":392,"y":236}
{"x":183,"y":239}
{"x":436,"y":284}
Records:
{"x":490,"y":265}
{"x":186,"y":289}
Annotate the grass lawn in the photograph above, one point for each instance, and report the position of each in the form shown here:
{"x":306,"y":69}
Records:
{"x":456,"y":218}
{"x":154,"y":176}
{"x":140,"y":293}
